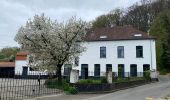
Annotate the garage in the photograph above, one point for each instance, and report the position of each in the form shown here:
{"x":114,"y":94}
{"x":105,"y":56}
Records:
{"x":7,"y":69}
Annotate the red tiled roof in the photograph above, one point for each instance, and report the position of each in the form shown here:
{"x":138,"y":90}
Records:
{"x":21,"y":56}
{"x":22,"y":53}
{"x":7,"y":64}
{"x":116,"y":33}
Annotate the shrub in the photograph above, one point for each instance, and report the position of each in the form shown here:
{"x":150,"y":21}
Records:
{"x":147,"y":75}
{"x":53,"y":83}
{"x":72,"y":90}
{"x":66,"y":86}
{"x":104,"y":80}
{"x":89,"y":81}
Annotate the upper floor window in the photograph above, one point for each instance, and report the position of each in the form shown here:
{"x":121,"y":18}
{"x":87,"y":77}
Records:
{"x":102,"y":52}
{"x":120,"y":51}
{"x":139,"y":51}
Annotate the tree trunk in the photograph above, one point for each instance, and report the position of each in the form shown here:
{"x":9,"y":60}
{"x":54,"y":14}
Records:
{"x":58,"y":73}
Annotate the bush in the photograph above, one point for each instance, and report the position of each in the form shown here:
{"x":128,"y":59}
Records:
{"x":89,"y":81}
{"x":104,"y":80}
{"x":72,"y":90}
{"x":53,"y":83}
{"x":147,"y":75}
{"x":66,"y":86}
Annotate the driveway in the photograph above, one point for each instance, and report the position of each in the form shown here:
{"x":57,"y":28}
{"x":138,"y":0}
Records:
{"x":155,"y":90}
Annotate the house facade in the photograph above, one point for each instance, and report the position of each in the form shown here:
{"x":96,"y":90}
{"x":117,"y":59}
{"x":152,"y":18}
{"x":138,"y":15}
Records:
{"x":123,"y":50}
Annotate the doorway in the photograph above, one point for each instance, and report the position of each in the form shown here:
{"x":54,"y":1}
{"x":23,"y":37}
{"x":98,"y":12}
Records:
{"x":24,"y":71}
{"x":133,"y":70}
{"x":121,"y":72}
{"x":84,"y":71}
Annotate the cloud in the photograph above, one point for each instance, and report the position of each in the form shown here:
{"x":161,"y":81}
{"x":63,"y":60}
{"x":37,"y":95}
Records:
{"x":14,"y":13}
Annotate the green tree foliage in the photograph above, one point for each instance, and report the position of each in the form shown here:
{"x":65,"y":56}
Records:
{"x":140,"y":15}
{"x":8,"y":53}
{"x":109,"y":20}
{"x":161,"y":30}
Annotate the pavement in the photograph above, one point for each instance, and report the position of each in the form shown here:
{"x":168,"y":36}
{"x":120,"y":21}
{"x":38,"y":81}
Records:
{"x":154,"y":90}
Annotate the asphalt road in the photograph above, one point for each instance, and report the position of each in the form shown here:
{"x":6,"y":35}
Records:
{"x":155,"y":90}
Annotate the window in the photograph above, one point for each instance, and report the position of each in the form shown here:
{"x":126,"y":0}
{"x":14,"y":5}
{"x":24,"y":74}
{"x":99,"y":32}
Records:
{"x":67,"y":69}
{"x":108,"y":67}
{"x":102,"y":52}
{"x":133,"y":70}
{"x":96,"y":69}
{"x":77,"y":61}
{"x":120,"y":51}
{"x":139,"y":51}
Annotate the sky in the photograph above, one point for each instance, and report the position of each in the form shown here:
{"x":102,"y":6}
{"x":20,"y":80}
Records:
{"x":15,"y":13}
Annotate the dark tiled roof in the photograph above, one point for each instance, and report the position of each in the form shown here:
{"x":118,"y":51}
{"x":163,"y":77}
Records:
{"x":116,"y":33}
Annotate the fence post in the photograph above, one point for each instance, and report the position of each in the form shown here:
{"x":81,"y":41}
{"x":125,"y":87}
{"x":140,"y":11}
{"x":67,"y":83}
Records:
{"x":74,"y":76}
{"x":39,"y":81}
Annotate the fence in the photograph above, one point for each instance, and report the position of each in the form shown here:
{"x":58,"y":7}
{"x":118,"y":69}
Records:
{"x":96,"y":75}
{"x":28,"y":86}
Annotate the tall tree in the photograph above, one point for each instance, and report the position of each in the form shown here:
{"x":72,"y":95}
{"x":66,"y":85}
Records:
{"x":51,"y":43}
{"x":109,"y":20}
{"x":161,"y":29}
{"x":8,"y":53}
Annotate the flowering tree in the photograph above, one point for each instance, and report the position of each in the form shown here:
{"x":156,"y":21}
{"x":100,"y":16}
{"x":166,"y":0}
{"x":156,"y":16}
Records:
{"x":51,"y":43}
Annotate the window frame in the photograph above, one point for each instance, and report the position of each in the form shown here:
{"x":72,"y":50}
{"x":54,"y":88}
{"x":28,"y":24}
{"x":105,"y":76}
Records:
{"x":103,"y":52}
{"x":122,"y":48}
{"x":139,"y":52}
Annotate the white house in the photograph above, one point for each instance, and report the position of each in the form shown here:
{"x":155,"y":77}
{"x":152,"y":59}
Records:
{"x":117,"y":49}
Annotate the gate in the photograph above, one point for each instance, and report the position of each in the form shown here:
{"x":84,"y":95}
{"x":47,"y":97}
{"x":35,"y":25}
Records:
{"x":32,"y":85}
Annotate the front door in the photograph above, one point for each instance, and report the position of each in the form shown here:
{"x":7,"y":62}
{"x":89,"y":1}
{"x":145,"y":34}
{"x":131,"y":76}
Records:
{"x":84,"y":71}
{"x":24,"y":72}
{"x":121,"y":72}
{"x":133,"y":70}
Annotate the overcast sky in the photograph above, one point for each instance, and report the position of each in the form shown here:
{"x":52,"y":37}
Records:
{"x":14,"y":13}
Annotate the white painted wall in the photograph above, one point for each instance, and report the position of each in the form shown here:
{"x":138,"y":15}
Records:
{"x":92,"y":55}
{"x":19,"y":64}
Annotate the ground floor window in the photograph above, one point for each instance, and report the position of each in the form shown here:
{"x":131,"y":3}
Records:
{"x":67,"y":69}
{"x":108,"y":67}
{"x":146,"y":67}
{"x":121,"y":71}
{"x":84,"y":71}
{"x":133,"y":70}
{"x":96,"y":69}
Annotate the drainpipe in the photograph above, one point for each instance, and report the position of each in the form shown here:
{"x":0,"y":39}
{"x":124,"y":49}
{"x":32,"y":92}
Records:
{"x":151,"y":53}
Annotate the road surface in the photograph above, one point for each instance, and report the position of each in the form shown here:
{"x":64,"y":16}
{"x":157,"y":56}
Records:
{"x":155,"y":90}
